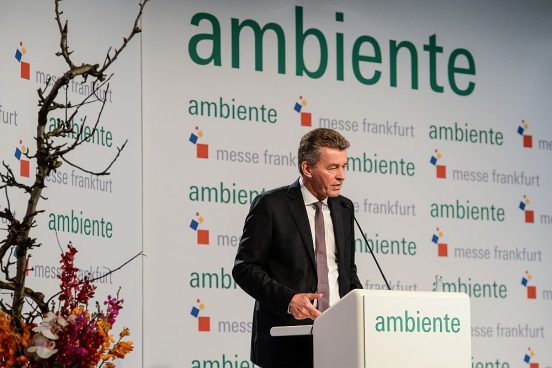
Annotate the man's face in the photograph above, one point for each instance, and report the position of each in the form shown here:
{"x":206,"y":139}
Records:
{"x":325,"y":178}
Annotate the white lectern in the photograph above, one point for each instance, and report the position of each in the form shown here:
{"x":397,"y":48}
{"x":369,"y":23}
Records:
{"x":391,"y":329}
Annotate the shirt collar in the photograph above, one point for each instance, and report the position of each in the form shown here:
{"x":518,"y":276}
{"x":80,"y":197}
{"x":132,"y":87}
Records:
{"x":308,"y":197}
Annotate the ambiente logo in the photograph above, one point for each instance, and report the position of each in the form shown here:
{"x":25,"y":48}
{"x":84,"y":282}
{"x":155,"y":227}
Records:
{"x":202,"y":150}
{"x":529,"y":214}
{"x":24,"y":67}
{"x":305,"y":117}
{"x":202,"y":234}
{"x":440,"y":170}
{"x":203,"y":322}
{"x":442,"y":248}
{"x":24,"y":164}
{"x":527,"y":139}
{"x":531,"y":289}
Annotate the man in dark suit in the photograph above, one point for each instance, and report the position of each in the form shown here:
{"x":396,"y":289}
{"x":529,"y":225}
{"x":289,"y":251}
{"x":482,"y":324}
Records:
{"x":296,"y":254}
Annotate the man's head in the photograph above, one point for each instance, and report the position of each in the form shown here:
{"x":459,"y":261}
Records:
{"x":322,"y":158}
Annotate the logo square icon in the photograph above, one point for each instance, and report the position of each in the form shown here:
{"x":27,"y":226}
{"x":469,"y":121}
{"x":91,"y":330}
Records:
{"x":25,"y":168}
{"x":529,"y":216}
{"x":306,"y":119}
{"x":25,"y":70}
{"x":441,"y":171}
{"x":202,"y":150}
{"x":531,"y":292}
{"x":203,"y":237}
{"x":204,"y":324}
{"x":442,"y":250}
{"x":528,"y":141}
{"x":195,"y":312}
{"x":194,"y":225}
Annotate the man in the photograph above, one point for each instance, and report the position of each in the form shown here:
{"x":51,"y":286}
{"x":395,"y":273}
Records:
{"x":287,"y":235}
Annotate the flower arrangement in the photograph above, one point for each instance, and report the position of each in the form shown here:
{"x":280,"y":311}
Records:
{"x":70,"y":335}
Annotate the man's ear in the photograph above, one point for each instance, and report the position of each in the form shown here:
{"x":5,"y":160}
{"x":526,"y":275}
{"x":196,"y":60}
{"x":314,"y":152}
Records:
{"x":306,"y":169}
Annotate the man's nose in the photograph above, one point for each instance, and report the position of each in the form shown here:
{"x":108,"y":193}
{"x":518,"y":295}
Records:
{"x":341,"y":174}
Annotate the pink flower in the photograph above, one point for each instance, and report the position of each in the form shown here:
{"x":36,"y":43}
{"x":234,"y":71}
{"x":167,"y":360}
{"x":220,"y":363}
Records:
{"x":113,"y":308}
{"x":50,"y":326}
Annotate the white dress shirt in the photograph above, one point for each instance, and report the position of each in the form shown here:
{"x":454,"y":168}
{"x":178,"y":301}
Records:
{"x":333,"y":273}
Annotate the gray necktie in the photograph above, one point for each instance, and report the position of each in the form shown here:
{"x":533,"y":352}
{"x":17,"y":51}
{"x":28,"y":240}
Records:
{"x":321,"y":258}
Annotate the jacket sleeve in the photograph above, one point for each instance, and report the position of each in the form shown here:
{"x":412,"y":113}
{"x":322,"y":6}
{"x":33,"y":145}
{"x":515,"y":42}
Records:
{"x":251,"y":263}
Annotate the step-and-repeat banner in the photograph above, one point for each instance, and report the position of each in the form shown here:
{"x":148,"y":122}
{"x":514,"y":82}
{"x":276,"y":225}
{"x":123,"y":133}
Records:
{"x":101,"y":216}
{"x":447,"y":108}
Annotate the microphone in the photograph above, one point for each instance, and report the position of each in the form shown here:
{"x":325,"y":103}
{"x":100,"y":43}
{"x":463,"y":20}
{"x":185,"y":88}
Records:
{"x":346,"y":205}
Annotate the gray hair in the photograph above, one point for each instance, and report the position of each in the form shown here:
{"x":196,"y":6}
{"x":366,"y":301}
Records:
{"x":313,"y":141}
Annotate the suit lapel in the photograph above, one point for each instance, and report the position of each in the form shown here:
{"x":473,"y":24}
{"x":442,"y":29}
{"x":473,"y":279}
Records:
{"x":298,"y":212}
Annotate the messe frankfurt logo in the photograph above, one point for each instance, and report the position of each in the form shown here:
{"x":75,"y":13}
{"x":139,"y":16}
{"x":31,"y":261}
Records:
{"x":21,"y":156}
{"x":202,"y":235}
{"x":440,"y":170}
{"x":442,"y":248}
{"x":25,"y":68}
{"x":527,"y":139}
{"x":202,"y":150}
{"x":531,"y":289}
{"x":529,"y":214}
{"x":305,"y":117}
{"x":203,"y":322}
{"x":528,"y":359}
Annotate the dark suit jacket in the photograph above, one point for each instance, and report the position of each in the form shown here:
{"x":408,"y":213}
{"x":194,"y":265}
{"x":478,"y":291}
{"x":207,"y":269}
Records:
{"x":275,"y":261}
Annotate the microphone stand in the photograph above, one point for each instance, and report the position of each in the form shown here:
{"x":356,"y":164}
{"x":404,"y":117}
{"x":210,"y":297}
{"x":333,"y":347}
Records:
{"x":371,"y":252}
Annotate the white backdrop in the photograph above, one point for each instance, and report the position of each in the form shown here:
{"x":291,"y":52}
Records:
{"x":510,"y":46}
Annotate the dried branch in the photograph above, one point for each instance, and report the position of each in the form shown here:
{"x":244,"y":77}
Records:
{"x":36,"y":296}
{"x":77,"y":141}
{"x":98,"y":173}
{"x":135,"y":30}
{"x":63,"y":39}
{"x":8,"y":180}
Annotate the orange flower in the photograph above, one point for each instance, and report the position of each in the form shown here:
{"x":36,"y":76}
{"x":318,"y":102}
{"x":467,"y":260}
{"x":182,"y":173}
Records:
{"x":124,"y":332}
{"x":120,"y":349}
{"x":12,"y":343}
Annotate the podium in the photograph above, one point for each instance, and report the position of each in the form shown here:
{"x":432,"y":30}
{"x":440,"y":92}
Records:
{"x":390,"y":329}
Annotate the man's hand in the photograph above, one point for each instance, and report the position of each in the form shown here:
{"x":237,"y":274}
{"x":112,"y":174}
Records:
{"x":301,"y":307}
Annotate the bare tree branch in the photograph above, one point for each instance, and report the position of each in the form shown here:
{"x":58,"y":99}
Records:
{"x":36,"y":296}
{"x":9,"y":180}
{"x":98,"y":173}
{"x":135,"y":30}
